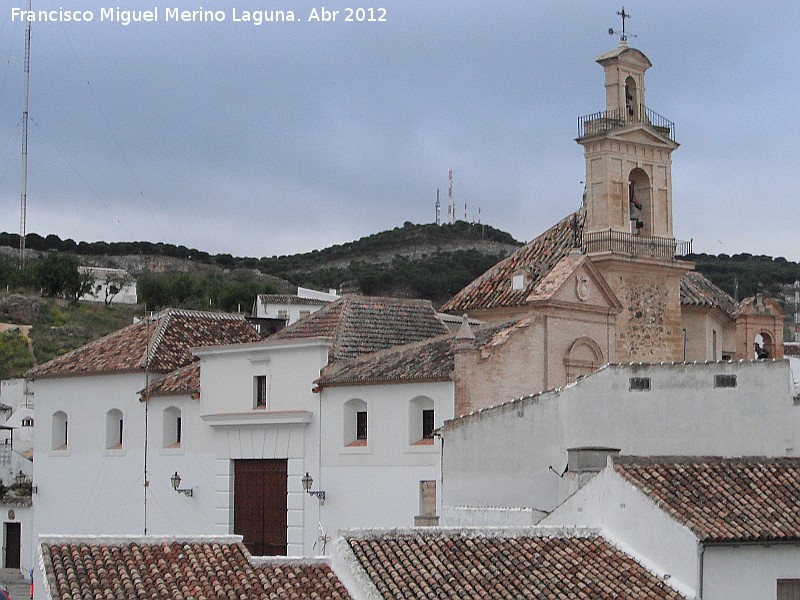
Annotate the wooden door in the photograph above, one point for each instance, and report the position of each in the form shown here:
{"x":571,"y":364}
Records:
{"x":12,"y":549}
{"x":259,"y":505}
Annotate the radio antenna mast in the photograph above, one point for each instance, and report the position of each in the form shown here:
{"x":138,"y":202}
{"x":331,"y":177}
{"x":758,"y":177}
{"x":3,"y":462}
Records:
{"x":23,"y":196}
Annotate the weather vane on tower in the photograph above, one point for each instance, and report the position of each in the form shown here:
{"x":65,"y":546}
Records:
{"x":623,"y":35}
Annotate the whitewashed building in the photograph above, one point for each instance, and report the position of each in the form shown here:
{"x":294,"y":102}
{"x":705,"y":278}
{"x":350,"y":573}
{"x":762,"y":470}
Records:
{"x":717,"y":529}
{"x":290,"y":309}
{"x":513,"y":463}
{"x":103,"y":459}
{"x":240,"y":427}
{"x":110,"y":285}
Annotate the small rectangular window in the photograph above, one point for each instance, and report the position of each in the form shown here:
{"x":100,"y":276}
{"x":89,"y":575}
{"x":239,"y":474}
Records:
{"x":119,"y":440}
{"x":260,"y":391}
{"x":639,"y":384}
{"x":427,"y":424}
{"x":361,"y":425}
{"x":724,"y":381}
{"x":178,"y":431}
{"x":283,"y":314}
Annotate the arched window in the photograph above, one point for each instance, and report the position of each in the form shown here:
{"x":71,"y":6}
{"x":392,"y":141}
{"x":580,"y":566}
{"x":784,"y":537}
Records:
{"x":59,"y":431}
{"x":421,"y":419}
{"x":114,"y":424}
{"x":173,"y":427}
{"x":354,"y":423}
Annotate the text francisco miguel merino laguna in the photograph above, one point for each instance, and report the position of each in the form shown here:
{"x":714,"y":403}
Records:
{"x":156,"y":14}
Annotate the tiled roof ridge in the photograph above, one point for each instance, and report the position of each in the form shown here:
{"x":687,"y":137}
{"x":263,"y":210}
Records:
{"x":165,"y":318}
{"x":471,"y":532}
{"x":634,"y":460}
{"x":162,"y":318}
{"x":225,"y":538}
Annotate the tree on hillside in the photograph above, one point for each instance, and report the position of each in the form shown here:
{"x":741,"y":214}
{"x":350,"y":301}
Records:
{"x":58,"y":275}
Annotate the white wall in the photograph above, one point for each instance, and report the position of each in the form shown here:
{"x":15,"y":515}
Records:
{"x":377,"y":485}
{"x":288,"y":427}
{"x":501,"y":457}
{"x":744,"y":572}
{"x":89,"y":489}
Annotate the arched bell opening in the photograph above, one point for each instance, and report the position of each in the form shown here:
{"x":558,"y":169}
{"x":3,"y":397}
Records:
{"x":631,"y":100}
{"x":640,"y":205}
{"x":763,"y":346}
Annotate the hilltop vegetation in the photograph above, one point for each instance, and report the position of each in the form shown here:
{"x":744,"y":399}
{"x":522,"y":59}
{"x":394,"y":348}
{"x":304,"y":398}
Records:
{"x":423,"y":261}
{"x":752,"y":274}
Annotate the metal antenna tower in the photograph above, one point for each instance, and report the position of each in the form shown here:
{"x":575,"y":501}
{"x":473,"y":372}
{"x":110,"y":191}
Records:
{"x":451,"y":208}
{"x":23,"y":197}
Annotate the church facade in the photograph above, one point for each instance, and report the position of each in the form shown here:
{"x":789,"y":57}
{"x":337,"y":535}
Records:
{"x":610,"y":283}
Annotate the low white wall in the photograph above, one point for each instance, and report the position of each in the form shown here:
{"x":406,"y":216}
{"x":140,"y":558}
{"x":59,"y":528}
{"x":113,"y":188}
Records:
{"x":511,"y":455}
{"x":745,"y":572}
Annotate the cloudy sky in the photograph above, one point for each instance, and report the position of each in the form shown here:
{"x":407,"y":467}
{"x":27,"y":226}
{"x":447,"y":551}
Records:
{"x":284,"y":137}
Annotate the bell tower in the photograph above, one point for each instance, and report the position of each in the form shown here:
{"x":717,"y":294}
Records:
{"x":628,"y":151}
{"x":628,"y":233}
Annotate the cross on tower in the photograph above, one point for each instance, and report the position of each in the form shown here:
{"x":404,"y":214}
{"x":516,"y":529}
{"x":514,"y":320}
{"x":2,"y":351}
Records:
{"x":624,"y":35}
{"x":624,"y":16}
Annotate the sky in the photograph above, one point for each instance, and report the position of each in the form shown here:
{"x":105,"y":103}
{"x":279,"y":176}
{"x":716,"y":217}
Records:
{"x":279,"y":138}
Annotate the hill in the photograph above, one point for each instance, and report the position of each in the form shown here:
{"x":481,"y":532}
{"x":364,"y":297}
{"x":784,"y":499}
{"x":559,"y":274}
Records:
{"x":422,"y":261}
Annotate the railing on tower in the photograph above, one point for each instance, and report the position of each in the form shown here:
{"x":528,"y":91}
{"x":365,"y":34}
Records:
{"x":609,"y":120}
{"x":620,"y":242}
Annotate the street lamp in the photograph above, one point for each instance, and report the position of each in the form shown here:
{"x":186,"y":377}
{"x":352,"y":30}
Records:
{"x":176,"y":482}
{"x":307,"y":483}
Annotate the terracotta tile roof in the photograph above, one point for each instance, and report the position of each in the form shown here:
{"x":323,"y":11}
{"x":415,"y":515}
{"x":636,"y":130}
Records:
{"x":536,"y":258}
{"x":358,"y":325}
{"x":427,"y":360}
{"x":181,"y":382}
{"x":179,"y":570}
{"x":723,"y":499}
{"x":461,"y":564}
{"x":552,"y":281}
{"x":289,"y":299}
{"x":164,"y":340}
{"x":698,"y":291}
